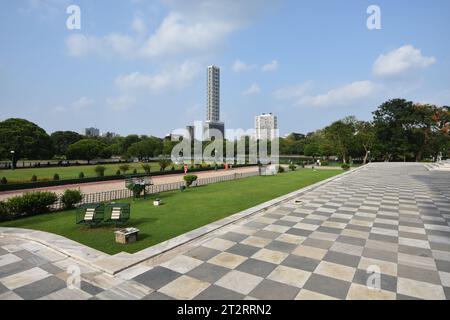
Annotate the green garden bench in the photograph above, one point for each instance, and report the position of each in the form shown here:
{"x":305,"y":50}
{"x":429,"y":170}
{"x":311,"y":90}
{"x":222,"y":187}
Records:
{"x":90,"y":214}
{"x":118,"y":213}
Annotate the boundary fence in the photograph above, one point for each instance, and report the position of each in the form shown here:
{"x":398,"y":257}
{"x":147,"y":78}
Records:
{"x":113,"y":195}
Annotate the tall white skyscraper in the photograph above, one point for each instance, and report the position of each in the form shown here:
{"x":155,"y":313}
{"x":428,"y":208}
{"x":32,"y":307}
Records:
{"x":266,"y":126}
{"x":213,"y":107}
{"x":213,"y":124}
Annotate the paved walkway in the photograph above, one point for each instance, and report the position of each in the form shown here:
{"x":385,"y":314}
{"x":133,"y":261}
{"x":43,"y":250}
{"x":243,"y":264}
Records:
{"x":390,"y":217}
{"x":95,"y":187}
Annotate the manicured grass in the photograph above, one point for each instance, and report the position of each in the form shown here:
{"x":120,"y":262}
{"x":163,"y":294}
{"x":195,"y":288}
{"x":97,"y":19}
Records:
{"x":24,"y":175}
{"x":181,"y":211}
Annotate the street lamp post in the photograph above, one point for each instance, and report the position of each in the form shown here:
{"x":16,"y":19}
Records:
{"x":12,"y":158}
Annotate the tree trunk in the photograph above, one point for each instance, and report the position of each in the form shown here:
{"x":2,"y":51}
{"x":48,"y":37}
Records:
{"x":365,"y":157}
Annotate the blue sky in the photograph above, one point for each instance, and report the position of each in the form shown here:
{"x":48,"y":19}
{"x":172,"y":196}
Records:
{"x":139,"y":66}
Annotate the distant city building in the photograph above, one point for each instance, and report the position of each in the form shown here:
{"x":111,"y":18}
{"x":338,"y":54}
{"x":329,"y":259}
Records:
{"x":110,"y":135}
{"x":92,"y":132}
{"x":191,"y":132}
{"x":266,"y":126}
{"x":213,"y":104}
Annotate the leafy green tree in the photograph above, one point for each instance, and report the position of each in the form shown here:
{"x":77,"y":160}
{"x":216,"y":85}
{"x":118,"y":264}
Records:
{"x":145,"y":149}
{"x":86,"y":149}
{"x":63,"y":139}
{"x":147,"y":168}
{"x":163,"y":162}
{"x":124,"y":168}
{"x":26,"y":139}
{"x":341,"y":133}
{"x":100,"y":171}
{"x":365,"y":137}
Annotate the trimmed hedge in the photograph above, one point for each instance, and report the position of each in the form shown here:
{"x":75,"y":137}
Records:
{"x":52,"y":183}
{"x":71,"y":197}
{"x":31,"y":203}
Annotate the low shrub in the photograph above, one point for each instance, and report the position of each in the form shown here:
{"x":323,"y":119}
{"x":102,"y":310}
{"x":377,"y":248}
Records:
{"x":136,"y":189}
{"x":34,"y":178}
{"x":172,"y":169}
{"x":81,"y":175}
{"x":3,"y":211}
{"x":70,"y":198}
{"x":56,"y":177}
{"x":292,"y":167}
{"x":124,"y":168}
{"x":135,"y":171}
{"x":345,"y":167}
{"x":31,"y":203}
{"x":280,"y":169}
{"x":100,"y":171}
{"x":4,"y":181}
{"x":190,"y":178}
{"x":147,"y":168}
{"x":324,"y":163}
{"x":118,"y":173}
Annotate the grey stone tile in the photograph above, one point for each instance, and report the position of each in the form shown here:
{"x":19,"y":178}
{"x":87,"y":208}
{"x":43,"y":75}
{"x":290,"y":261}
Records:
{"x":234,"y":236}
{"x":299,"y":232}
{"x":255,"y":225}
{"x":157,"y":296}
{"x":385,"y":226}
{"x":415,"y":251}
{"x":300,"y":262}
{"x":382,"y":237}
{"x":411,"y":235}
{"x":214,"y":292}
{"x":272,"y":290}
{"x":418,"y":274}
{"x":3,"y":289}
{"x":243,"y":250}
{"x":443,"y":265}
{"x":15,"y":267}
{"x":352,"y":240}
{"x":208,"y":272}
{"x":267,"y":234}
{"x":202,"y":253}
{"x":51,"y":268}
{"x":342,"y":258}
{"x":157,"y":277}
{"x":90,"y":288}
{"x":3,"y":251}
{"x":317,"y":243}
{"x":328,"y":286}
{"x":405,"y":297}
{"x":312,"y":221}
{"x":329,"y":230}
{"x":281,"y":246}
{"x":447,"y":293}
{"x":285,"y":223}
{"x":358,"y":228}
{"x":387,"y":282}
{"x":257,"y":267}
{"x":40,"y":288}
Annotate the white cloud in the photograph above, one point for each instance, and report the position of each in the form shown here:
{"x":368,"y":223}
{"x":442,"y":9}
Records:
{"x":400,"y":61}
{"x":347,"y":95}
{"x":191,"y":26}
{"x":253,"y":89}
{"x":175,"y":78}
{"x":343,"y":96}
{"x":121,"y":103}
{"x":82,"y":103}
{"x":270,"y":66}
{"x":240,"y":66}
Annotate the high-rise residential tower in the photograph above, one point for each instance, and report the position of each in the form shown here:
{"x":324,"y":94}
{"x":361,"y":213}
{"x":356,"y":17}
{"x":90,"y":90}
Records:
{"x":266,"y":126}
{"x":213,"y":124}
{"x":213,"y":107}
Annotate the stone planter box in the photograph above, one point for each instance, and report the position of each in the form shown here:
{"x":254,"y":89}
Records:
{"x":157,"y":202}
{"x":126,"y":236}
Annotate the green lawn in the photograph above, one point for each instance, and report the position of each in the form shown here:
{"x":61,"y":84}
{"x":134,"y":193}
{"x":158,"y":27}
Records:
{"x":181,"y":211}
{"x":24,"y":175}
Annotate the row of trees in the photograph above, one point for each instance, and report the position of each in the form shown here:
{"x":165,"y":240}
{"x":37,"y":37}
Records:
{"x":400,"y":130}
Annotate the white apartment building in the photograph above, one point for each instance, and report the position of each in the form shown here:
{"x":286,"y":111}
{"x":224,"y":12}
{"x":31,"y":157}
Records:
{"x":213,"y":94}
{"x":266,"y":126}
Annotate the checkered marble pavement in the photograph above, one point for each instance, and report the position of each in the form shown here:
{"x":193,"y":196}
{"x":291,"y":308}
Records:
{"x":394,"y":217}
